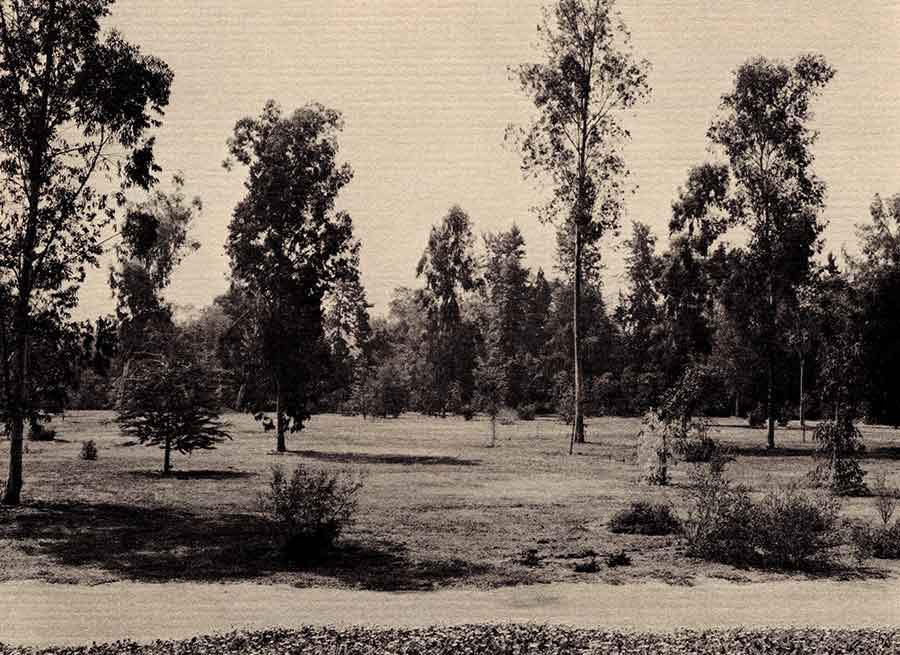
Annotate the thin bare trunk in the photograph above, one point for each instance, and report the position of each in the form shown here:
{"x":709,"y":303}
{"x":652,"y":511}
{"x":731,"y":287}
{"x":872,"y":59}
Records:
{"x":802,"y":415}
{"x":576,"y":338}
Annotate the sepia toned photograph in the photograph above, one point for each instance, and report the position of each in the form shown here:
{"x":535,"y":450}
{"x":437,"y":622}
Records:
{"x":447,"y":327}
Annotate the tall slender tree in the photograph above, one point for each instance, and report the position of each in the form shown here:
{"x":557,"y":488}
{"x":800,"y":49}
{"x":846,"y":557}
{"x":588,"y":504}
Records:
{"x":588,"y":79}
{"x":75,"y":105}
{"x":764,"y":130}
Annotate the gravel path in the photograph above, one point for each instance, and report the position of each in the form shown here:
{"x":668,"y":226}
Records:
{"x":34,"y":613}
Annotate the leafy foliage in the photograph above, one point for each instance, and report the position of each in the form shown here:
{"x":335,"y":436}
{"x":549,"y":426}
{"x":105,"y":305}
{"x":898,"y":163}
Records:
{"x":838,"y":447}
{"x":171,"y":400}
{"x":288,"y":248}
{"x":645,"y":518}
{"x":310,"y":510}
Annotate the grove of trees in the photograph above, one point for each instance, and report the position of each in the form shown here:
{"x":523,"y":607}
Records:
{"x":742,"y":287}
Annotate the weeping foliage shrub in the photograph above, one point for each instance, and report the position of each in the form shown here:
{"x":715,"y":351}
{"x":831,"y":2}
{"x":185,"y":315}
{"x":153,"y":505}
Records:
{"x":310,"y":509}
{"x":839,"y":444}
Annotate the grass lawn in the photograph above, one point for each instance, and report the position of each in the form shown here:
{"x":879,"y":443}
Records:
{"x":439,"y":508}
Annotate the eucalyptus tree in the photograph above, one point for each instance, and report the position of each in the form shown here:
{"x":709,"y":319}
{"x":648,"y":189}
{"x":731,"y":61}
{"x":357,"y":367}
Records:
{"x":76,"y":106}
{"x":288,"y":247}
{"x":588,"y":79}
{"x":763,"y":128}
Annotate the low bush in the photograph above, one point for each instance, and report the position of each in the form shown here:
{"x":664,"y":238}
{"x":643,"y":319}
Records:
{"x":310,"y":510}
{"x":89,"y":450}
{"x":718,"y":524}
{"x":38,"y":432}
{"x":531,"y":558}
{"x":794,"y":528}
{"x":526,"y":412}
{"x":882,"y":542}
{"x":507,"y":416}
{"x":696,"y":449}
{"x":590,"y":566}
{"x":467,"y":411}
{"x":645,"y":518}
{"x":788,"y":528}
{"x":757,"y":416}
{"x":619,"y":558}
{"x":504,"y":639}
{"x":886,"y":498}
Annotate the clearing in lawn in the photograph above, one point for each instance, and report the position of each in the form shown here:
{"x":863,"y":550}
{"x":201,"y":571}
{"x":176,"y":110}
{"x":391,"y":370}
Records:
{"x":438,"y":508}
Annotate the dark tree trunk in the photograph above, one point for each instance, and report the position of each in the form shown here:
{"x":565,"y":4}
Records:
{"x":802,"y":414}
{"x":167,"y":458}
{"x":770,"y":403}
{"x":281,"y":446}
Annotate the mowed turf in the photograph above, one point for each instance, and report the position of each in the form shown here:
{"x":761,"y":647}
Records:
{"x":439,"y":507}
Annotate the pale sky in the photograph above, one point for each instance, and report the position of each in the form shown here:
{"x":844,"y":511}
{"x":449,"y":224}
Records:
{"x":425,"y":93}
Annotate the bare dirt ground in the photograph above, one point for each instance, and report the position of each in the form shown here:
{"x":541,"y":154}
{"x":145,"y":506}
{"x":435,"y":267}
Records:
{"x":41,"y":614}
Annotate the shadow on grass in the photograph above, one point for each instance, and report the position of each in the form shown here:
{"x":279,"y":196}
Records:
{"x":885,"y":452}
{"x":370,"y":458}
{"x":194,"y":475}
{"x":156,"y":544}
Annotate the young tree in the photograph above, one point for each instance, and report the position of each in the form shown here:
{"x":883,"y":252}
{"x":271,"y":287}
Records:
{"x":588,"y":79}
{"x":169,"y":399}
{"x":491,"y":375}
{"x":763,"y":129}
{"x":288,"y":248}
{"x":75,"y":104}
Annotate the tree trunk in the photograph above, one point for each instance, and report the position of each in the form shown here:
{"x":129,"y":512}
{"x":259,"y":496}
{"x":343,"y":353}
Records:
{"x":13,"y":493}
{"x":770,"y":403}
{"x":737,"y":405}
{"x":281,"y":446}
{"x":802,"y":415}
{"x":167,"y":458}
{"x":493,"y":431}
{"x":576,"y":339}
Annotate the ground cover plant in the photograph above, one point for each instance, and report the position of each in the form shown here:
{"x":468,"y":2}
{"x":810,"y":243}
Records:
{"x":504,"y":640}
{"x":438,"y":508}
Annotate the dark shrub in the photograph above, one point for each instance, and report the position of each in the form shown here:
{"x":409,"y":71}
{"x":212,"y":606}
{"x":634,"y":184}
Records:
{"x":757,"y":416}
{"x":886,"y":498}
{"x":530,"y":557}
{"x":794,"y":528}
{"x":882,"y":542}
{"x":89,"y":450}
{"x":467,"y":411}
{"x":590,"y":566}
{"x":838,"y":447}
{"x":719,"y":521}
{"x":619,"y":558}
{"x":310,"y":510}
{"x":38,"y":432}
{"x":696,"y":449}
{"x":526,"y":412}
{"x":645,"y":518}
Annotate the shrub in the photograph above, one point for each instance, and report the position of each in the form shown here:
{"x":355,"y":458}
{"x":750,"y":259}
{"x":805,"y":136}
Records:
{"x":530,"y":557}
{"x":619,"y":558}
{"x":882,"y":542}
{"x":89,"y":450}
{"x":645,"y":518}
{"x":654,"y":453}
{"x":838,"y":447}
{"x":794,"y":528}
{"x":591,"y":566}
{"x":506,"y":416}
{"x":467,"y":411}
{"x":719,"y":517}
{"x":757,"y":416}
{"x":526,"y":412}
{"x":38,"y":432}
{"x":310,"y":510}
{"x":885,"y":498}
{"x":696,"y":449}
